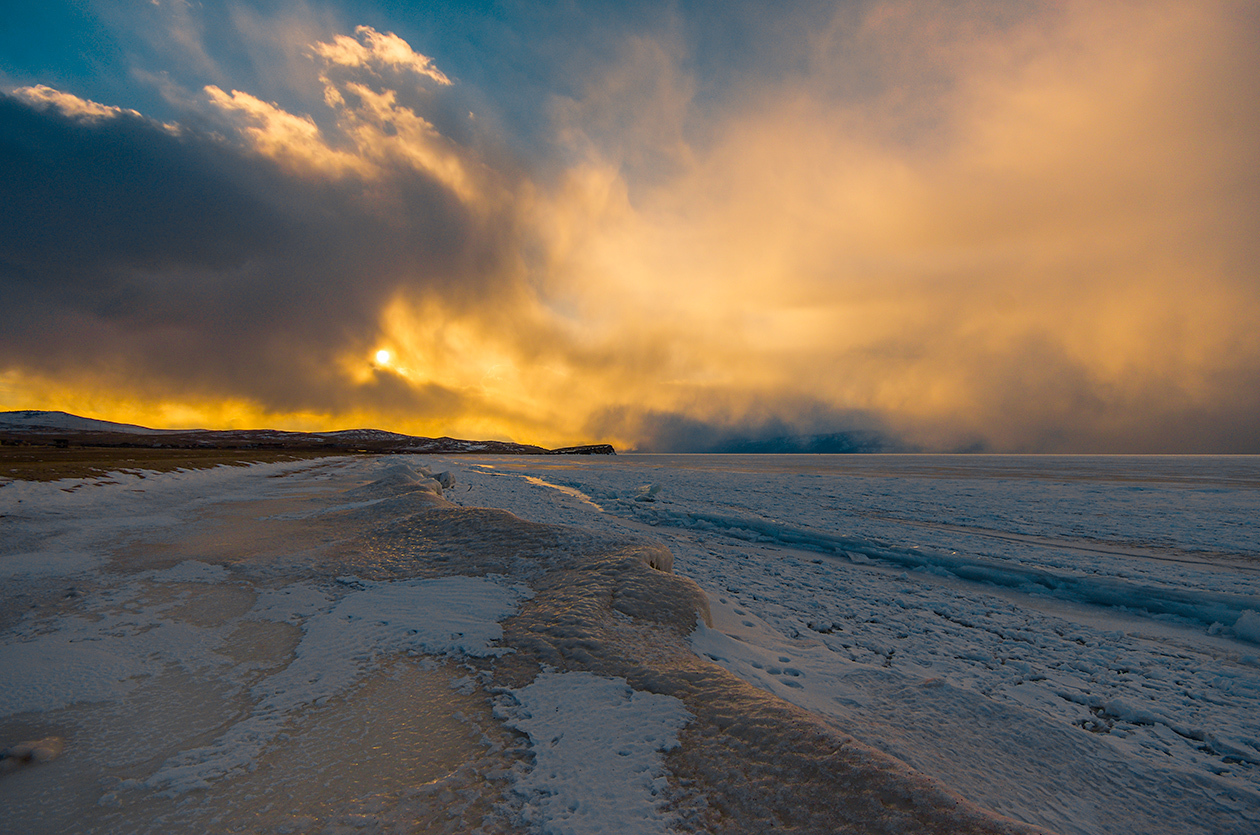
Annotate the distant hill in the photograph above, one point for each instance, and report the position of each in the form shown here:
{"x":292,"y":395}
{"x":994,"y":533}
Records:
{"x":44,"y":422}
{"x":64,"y":429}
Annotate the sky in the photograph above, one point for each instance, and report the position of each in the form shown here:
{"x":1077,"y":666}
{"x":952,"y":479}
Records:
{"x":672,"y":226}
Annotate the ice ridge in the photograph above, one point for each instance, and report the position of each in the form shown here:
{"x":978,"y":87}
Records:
{"x":1199,"y":606}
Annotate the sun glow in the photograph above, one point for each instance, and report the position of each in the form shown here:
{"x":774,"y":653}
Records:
{"x":1031,"y":235}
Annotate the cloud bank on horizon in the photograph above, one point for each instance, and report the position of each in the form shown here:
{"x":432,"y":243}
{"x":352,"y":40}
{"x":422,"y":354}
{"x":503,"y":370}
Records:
{"x":671,"y":226}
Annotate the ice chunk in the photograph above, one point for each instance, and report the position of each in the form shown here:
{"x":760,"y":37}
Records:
{"x":398,"y":479}
{"x":647,"y":493}
{"x":1247,"y":626}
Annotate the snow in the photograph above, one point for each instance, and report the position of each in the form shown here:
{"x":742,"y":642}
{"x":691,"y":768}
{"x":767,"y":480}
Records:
{"x":595,"y":742}
{"x":1247,"y":627}
{"x":1070,"y":642}
{"x":214,"y":675}
{"x":62,"y":422}
{"x":359,"y":644}
{"x":363,"y":435}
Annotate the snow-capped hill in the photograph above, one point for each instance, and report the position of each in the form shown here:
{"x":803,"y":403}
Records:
{"x":362,"y":435}
{"x":39,"y":421}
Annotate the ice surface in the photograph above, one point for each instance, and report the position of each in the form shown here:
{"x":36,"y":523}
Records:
{"x":320,"y":646}
{"x":207,"y":640}
{"x":441,"y":616}
{"x":1064,"y":640}
{"x":169,"y":674}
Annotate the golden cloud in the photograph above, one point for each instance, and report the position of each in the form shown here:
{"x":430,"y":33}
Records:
{"x":70,"y":104}
{"x":1047,"y":255}
{"x":370,"y":48}
{"x":1036,"y":233}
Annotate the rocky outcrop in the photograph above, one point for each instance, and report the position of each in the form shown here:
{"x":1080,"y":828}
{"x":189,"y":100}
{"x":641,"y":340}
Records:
{"x":586,"y":449}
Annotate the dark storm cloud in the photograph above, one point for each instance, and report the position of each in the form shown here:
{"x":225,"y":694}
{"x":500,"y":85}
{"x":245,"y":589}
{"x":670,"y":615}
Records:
{"x":120,"y":192}
{"x":200,"y":266}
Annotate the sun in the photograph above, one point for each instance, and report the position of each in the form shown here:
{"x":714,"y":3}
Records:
{"x":383,"y":357}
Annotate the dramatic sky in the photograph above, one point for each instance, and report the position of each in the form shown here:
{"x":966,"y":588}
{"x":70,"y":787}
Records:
{"x":968,"y":224}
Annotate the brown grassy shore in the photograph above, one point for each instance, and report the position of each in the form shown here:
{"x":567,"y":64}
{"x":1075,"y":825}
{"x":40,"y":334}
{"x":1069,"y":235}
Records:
{"x":49,"y":463}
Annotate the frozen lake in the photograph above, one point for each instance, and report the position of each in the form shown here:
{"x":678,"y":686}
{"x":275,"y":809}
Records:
{"x":1072,"y":641}
{"x":1068,"y":642}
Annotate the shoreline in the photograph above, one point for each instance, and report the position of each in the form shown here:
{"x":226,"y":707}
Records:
{"x":49,"y":463}
{"x":256,"y":560}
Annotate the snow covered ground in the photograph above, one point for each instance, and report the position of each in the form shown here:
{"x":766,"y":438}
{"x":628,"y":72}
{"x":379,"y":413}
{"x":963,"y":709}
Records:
{"x":1071,"y":641}
{"x":344,"y":645}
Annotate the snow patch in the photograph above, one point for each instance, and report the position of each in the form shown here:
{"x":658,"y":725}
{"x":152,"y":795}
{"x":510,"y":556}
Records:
{"x":597,"y":747}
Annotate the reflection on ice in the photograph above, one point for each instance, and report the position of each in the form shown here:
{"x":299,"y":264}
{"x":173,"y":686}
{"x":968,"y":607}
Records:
{"x":568,"y":491}
{"x":450,"y":616}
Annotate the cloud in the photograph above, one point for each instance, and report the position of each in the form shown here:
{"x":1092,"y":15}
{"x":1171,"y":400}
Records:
{"x":293,"y":140}
{"x":941,"y":227}
{"x":248,"y":264}
{"x":803,"y":426}
{"x":1041,"y":235}
{"x":371,"y":49}
{"x":71,"y":105}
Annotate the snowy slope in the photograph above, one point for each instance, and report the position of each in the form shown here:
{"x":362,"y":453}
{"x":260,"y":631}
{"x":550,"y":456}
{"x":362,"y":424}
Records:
{"x":363,"y":435}
{"x":38,"y":421}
